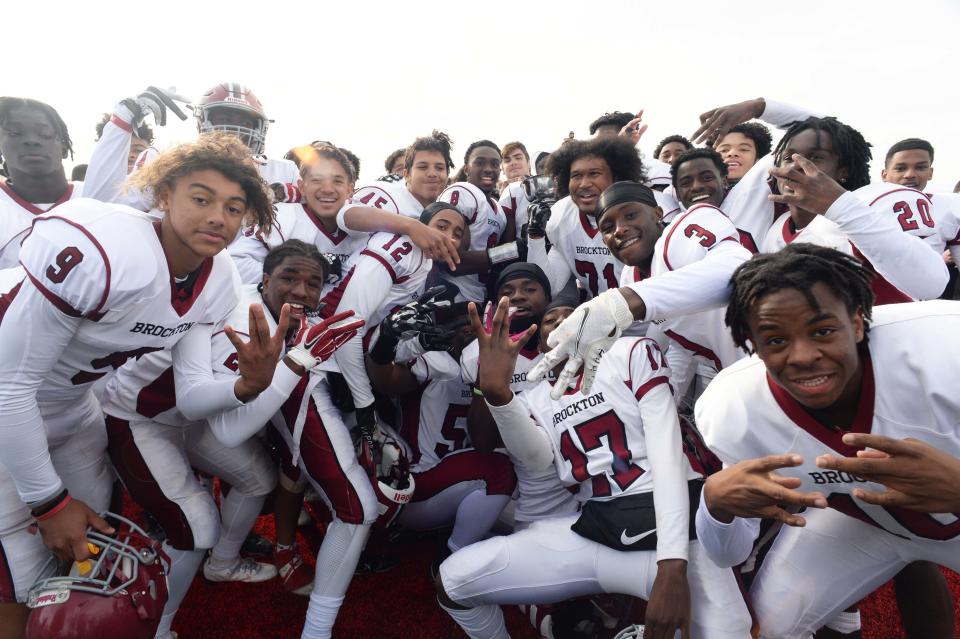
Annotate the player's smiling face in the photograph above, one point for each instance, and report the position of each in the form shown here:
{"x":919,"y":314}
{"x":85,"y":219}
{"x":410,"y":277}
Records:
{"x":739,"y":153}
{"x":29,"y":143}
{"x":630,"y":230}
{"x":428,"y":176}
{"x":452,"y":224}
{"x":816,"y":146}
{"x":912,"y":168}
{"x":671,"y":151}
{"x":326,"y":186}
{"x":203,"y":214}
{"x":699,"y":181}
{"x":526,"y":295}
{"x":810,"y":352}
{"x":483,"y":168}
{"x":296,"y":281}
{"x":550,"y":321}
{"x":516,"y":165}
{"x":589,"y":176}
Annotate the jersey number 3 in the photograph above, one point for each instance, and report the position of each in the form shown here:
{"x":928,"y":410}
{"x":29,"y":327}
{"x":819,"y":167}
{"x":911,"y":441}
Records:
{"x":66,"y":261}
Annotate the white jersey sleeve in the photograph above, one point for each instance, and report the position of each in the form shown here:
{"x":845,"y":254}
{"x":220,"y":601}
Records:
{"x":389,"y":196}
{"x":948,"y":221}
{"x":380,"y":268}
{"x":107,"y":169}
{"x":514,"y":203}
{"x":28,"y":356}
{"x":249,"y":251}
{"x":889,"y":231}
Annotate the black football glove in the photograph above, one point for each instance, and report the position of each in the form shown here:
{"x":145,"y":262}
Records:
{"x":538,"y":214}
{"x":366,"y":426}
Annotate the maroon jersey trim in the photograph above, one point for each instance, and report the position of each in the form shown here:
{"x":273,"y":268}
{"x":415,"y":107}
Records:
{"x":336,"y":238}
{"x":587,"y":228}
{"x":832,"y":437}
{"x":386,"y":264}
{"x":693,"y":347}
{"x":28,"y":206}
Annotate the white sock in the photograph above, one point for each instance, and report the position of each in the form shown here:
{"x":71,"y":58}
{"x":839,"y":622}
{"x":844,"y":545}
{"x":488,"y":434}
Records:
{"x":845,"y":622}
{"x":183,"y":568}
{"x":321,"y":615}
{"x":238,"y":513}
{"x":476,"y":515}
{"x":482,"y":622}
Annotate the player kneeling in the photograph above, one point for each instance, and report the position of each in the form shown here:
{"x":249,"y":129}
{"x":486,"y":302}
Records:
{"x":621,"y":445}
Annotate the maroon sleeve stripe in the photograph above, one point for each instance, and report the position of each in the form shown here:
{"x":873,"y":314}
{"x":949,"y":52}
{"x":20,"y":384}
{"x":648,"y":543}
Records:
{"x":645,"y":388}
{"x":386,"y":264}
{"x":55,"y":299}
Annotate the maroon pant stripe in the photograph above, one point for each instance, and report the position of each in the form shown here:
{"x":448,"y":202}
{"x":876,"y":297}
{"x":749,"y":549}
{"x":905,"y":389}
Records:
{"x":467,"y":465}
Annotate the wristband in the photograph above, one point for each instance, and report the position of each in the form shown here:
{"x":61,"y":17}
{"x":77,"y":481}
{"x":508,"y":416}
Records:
{"x":52,"y":507}
{"x":503,"y":253}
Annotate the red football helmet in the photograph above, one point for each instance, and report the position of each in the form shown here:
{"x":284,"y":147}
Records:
{"x":394,"y":485}
{"x":229,"y":95}
{"x":117,"y":594}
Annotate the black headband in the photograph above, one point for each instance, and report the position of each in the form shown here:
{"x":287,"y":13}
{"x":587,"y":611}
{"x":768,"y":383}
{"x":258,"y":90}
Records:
{"x":519,"y":270}
{"x":434,"y":208}
{"x":620,"y":192}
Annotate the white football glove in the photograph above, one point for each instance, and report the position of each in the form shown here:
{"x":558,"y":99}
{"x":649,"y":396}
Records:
{"x":581,"y":339}
{"x":155,"y":101}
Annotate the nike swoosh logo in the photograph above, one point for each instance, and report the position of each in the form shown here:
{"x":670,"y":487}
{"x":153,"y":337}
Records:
{"x":629,"y":540}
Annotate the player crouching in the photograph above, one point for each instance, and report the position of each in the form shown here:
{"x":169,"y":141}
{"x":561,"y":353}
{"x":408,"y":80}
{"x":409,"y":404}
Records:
{"x":621,"y":445}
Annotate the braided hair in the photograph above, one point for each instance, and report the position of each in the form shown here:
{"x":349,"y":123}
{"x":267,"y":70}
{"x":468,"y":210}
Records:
{"x":848,"y":143}
{"x":294,"y":248}
{"x":798,"y":266}
{"x":8,"y":104}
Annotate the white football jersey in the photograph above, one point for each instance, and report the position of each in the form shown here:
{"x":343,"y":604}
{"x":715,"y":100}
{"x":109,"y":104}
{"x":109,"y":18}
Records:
{"x":576,"y":238}
{"x":908,"y":390}
{"x":292,"y":222}
{"x":387,"y":274}
{"x":747,"y":206}
{"x":105,"y":263}
{"x":273,"y":171}
{"x":947,"y":206}
{"x":144,"y":388}
{"x":699,"y":337}
{"x":513,"y":202}
{"x":541,"y":493}
{"x":820,"y":231}
{"x":433,"y":420}
{"x":389,"y":196}
{"x":487,"y":223}
{"x":16,"y":216}
{"x":600,"y":440}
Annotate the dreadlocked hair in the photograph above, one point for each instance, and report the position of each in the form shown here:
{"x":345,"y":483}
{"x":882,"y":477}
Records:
{"x":798,"y":266}
{"x":437,"y":141}
{"x":669,"y":139}
{"x":696,"y":154}
{"x":214,"y":151}
{"x":618,"y":119}
{"x":616,"y":151}
{"x":8,"y":104}
{"x":294,"y":248}
{"x":848,"y":144}
{"x":759,"y":134}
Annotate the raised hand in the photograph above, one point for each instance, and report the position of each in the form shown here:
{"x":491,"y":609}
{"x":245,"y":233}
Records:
{"x":156,"y":101}
{"x":751,"y":488}
{"x":436,"y":245}
{"x":716,"y":123}
{"x":917,"y":475}
{"x":258,"y":357}
{"x":318,"y":342}
{"x":633,"y":129}
{"x":804,"y":186}
{"x":498,"y":351}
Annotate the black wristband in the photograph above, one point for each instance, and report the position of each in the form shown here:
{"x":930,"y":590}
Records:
{"x":41,"y":509}
{"x":384,"y":349}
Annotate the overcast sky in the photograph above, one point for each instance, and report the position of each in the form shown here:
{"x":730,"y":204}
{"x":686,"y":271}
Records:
{"x":371,"y":76}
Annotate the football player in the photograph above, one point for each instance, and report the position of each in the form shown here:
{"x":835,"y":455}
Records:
{"x":102,"y":284}
{"x":620,"y":449}
{"x":671,"y":147}
{"x":427,"y":165}
{"x":33,"y":144}
{"x":807,"y":311}
{"x":489,"y":226}
{"x":455,"y":484}
{"x":516,"y":161}
{"x":742,"y":146}
{"x":142,"y":140}
{"x":394,"y":163}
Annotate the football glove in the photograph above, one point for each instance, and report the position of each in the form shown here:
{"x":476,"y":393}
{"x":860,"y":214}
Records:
{"x":155,"y":102}
{"x":581,"y":340}
{"x":317,"y":342}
